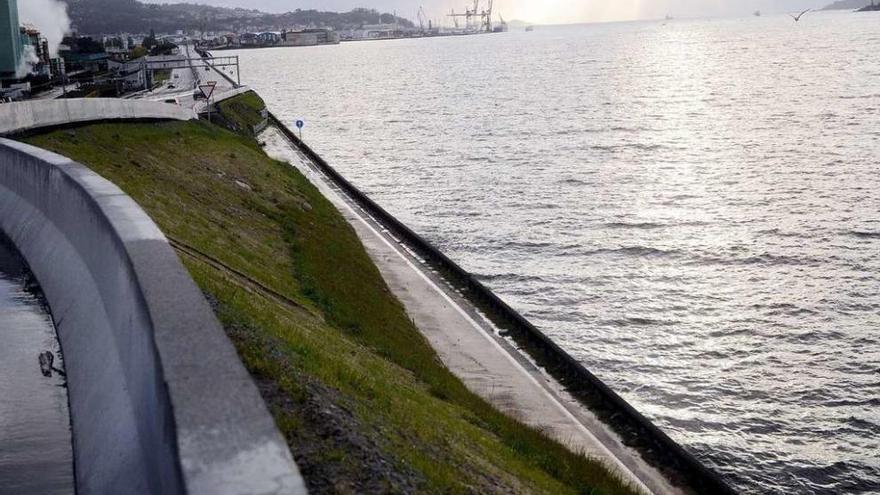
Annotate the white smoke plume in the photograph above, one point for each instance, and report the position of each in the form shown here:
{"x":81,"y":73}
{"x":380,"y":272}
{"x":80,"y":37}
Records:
{"x":49,"y":16}
{"x":29,"y":57}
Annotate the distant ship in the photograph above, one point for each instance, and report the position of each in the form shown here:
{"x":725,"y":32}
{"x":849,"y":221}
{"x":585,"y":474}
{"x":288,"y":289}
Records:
{"x":529,"y":29}
{"x":757,"y":13}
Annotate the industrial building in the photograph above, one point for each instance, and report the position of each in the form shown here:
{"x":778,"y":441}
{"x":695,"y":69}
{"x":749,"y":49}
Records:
{"x":11,"y":49}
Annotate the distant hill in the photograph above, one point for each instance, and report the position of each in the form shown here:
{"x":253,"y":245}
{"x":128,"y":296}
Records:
{"x":132,"y":16}
{"x":848,"y":5}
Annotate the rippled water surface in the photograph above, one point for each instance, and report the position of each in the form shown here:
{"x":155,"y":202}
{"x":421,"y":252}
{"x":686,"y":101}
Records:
{"x":36,"y":455}
{"x":691,"y":208}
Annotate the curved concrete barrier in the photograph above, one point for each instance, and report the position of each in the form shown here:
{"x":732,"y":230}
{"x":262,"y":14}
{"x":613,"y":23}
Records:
{"x":159,"y":400}
{"x":36,"y":114}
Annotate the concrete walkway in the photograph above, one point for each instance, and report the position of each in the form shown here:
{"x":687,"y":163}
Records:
{"x":469,"y":345}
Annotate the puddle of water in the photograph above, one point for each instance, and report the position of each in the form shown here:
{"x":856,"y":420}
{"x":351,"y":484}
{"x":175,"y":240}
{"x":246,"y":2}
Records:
{"x":36,"y":454}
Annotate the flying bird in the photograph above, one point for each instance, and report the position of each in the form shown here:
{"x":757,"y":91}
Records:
{"x":797,"y":18}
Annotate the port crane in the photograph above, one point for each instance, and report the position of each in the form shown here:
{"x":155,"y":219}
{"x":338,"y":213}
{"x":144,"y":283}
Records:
{"x":486,"y":17}
{"x":475,"y":19}
{"x":454,"y":17}
{"x":468,"y":15}
{"x":424,"y":21}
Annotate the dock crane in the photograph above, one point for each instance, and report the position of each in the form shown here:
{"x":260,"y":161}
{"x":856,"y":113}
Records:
{"x":422,"y":18}
{"x":454,"y":17}
{"x":475,"y":19}
{"x":486,"y":18}
{"x":472,"y":14}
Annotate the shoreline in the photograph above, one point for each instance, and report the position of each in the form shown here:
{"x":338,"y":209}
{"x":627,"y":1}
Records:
{"x":678,"y":466}
{"x":256,"y":47}
{"x":635,"y":431}
{"x":363,"y":399}
{"x":469,"y":344}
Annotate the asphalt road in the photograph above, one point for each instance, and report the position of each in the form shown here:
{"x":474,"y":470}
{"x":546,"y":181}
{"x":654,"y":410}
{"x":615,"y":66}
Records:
{"x":184,"y":83}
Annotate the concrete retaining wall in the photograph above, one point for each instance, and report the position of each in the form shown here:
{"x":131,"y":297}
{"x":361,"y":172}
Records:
{"x":36,"y":114}
{"x":159,"y":400}
{"x":675,"y":462}
{"x":231,"y":93}
{"x":202,"y":106}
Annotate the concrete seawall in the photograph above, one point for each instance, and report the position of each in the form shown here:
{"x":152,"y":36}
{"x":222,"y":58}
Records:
{"x":636,"y":431}
{"x":36,"y":114}
{"x":215,"y":99}
{"x":159,"y":400}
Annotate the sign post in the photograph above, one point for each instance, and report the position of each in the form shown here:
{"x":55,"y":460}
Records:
{"x":299,"y":125}
{"x":208,"y":90}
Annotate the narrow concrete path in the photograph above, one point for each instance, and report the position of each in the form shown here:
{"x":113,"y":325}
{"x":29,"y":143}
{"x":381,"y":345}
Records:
{"x":469,"y":345}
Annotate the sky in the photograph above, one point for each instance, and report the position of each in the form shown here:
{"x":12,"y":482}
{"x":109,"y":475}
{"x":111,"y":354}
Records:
{"x":542,"y":11}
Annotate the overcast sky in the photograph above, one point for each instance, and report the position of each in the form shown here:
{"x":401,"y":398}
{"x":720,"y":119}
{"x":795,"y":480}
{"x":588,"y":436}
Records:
{"x":542,"y":11}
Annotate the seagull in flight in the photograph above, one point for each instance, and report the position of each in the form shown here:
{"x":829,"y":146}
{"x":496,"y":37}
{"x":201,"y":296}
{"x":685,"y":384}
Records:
{"x":797,"y":18}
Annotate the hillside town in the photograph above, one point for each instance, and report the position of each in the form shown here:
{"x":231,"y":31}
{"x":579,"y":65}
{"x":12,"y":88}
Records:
{"x":113,"y":64}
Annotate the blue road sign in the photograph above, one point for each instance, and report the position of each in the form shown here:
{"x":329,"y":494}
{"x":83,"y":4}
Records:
{"x":300,"y":124}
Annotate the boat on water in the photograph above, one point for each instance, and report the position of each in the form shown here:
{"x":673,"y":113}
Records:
{"x":757,"y":13}
{"x":529,"y":29}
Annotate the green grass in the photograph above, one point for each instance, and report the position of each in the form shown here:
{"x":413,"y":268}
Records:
{"x":243,"y":112}
{"x":352,"y":345}
{"x":160,"y":76}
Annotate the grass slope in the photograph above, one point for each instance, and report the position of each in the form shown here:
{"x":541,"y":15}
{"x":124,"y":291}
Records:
{"x":362,"y":398}
{"x":242,"y":112}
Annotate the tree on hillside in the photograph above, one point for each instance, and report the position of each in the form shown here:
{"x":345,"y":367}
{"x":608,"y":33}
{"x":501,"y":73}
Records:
{"x":150,"y":41}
